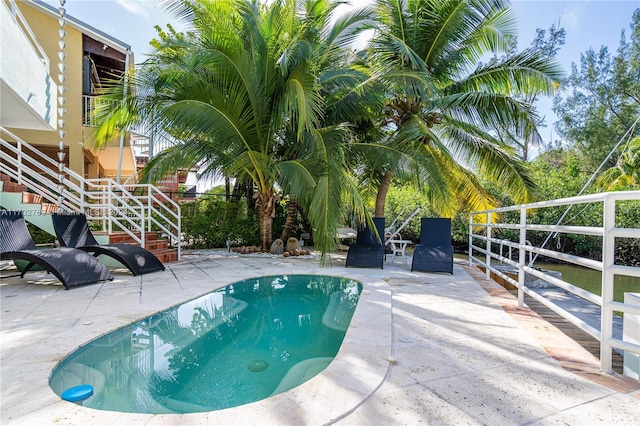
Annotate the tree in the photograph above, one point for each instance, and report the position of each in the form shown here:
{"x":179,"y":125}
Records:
{"x":625,"y":175}
{"x":241,"y":93}
{"x":547,"y":44}
{"x":444,"y":111}
{"x":602,"y":99}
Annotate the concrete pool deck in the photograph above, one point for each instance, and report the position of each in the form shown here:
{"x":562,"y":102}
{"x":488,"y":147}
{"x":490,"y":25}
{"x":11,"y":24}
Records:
{"x":422,"y":348}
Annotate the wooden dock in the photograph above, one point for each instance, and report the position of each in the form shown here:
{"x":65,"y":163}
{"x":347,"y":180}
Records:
{"x":585,"y":340}
{"x":573,"y":349}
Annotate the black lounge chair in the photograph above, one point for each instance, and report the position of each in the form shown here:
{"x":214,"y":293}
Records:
{"x":71,"y":266}
{"x":435,"y":252}
{"x":73,"y":230}
{"x":368,"y":250}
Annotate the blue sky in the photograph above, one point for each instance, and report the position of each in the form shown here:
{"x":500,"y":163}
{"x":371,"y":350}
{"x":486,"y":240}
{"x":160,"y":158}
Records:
{"x":589,"y":23}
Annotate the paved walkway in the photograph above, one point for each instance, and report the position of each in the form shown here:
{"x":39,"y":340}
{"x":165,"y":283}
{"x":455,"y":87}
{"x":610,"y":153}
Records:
{"x":421,"y":349}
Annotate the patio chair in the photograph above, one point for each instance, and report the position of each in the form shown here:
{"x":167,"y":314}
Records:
{"x":73,"y":230}
{"x":435,"y":252}
{"x":368,"y":250}
{"x":71,"y":266}
{"x":393,"y":233}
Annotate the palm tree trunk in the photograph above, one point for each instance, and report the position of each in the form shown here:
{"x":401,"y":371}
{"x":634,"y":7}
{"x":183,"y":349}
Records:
{"x":227,"y":188}
{"x":291,"y":216}
{"x":266,"y":207}
{"x":381,"y":196}
{"x":265,"y":230}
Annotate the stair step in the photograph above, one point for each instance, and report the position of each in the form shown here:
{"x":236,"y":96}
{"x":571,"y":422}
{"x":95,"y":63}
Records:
{"x":13,"y":187}
{"x":159,"y":247}
{"x":167,"y":255}
{"x":48,"y":208}
{"x":154,"y":245}
{"x":123,"y":237}
{"x":31,"y":198}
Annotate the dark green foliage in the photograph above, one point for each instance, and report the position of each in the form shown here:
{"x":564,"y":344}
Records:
{"x":460,"y":232}
{"x":401,"y":201}
{"x":628,"y":252}
{"x":39,"y":236}
{"x":444,"y":107}
{"x":547,"y":43}
{"x":207,"y":222}
{"x":300,"y":225}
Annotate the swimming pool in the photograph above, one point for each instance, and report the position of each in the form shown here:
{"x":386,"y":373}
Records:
{"x":243,"y":343}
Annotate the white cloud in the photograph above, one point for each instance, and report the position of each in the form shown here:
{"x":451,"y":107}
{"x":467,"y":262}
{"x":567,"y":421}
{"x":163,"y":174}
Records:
{"x":137,"y":7}
{"x":573,"y":16}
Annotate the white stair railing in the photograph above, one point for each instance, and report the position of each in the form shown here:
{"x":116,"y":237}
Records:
{"x":19,"y":162}
{"x":608,"y":232}
{"x":164,"y":213}
{"x":133,"y":209}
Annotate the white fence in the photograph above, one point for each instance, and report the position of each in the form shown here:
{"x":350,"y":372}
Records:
{"x":490,"y":220}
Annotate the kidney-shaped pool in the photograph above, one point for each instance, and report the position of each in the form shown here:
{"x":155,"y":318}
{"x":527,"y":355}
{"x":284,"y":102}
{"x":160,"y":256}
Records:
{"x":243,"y":343}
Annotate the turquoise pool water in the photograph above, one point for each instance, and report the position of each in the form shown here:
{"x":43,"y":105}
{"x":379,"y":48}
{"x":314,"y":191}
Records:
{"x":240,"y":344}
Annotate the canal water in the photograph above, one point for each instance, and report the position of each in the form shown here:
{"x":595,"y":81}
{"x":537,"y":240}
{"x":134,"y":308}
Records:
{"x":591,"y":280}
{"x":587,"y":279}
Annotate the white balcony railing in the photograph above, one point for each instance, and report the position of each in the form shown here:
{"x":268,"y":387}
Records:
{"x":28,"y":95}
{"x":143,"y":138}
{"x":19,"y":19}
{"x":89,"y":105}
{"x":491,"y":220}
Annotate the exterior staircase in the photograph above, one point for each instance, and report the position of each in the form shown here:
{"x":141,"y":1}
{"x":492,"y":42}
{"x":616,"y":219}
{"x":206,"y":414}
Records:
{"x":159,"y":247}
{"x":14,"y":196}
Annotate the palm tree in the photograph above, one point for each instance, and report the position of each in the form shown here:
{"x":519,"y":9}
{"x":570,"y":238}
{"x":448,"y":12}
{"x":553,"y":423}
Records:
{"x":241,"y":92}
{"x":625,"y":175}
{"x":445,"y":108}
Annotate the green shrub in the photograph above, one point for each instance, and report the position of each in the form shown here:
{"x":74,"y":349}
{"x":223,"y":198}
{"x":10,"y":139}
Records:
{"x":208,"y":221}
{"x":400,"y":202}
{"x":39,"y":236}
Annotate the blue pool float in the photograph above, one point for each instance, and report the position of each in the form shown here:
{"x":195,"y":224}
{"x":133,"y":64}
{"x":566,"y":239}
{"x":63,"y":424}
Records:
{"x":77,"y":393}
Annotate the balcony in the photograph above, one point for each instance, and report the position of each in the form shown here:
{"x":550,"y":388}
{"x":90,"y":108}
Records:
{"x":28,"y":91}
{"x":89,"y":105}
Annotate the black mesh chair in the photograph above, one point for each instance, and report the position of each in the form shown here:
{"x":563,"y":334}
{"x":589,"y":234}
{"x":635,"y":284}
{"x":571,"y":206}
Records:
{"x":73,"y":230}
{"x":435,"y":252}
{"x":71,"y":266}
{"x":368,"y":250}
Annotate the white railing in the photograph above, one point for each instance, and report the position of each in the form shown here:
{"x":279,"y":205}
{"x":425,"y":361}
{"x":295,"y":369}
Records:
{"x":26,"y":29}
{"x":154,"y":140}
{"x":133,"y":209}
{"x":160,"y":212}
{"x":489,"y":220}
{"x":90,"y":104}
